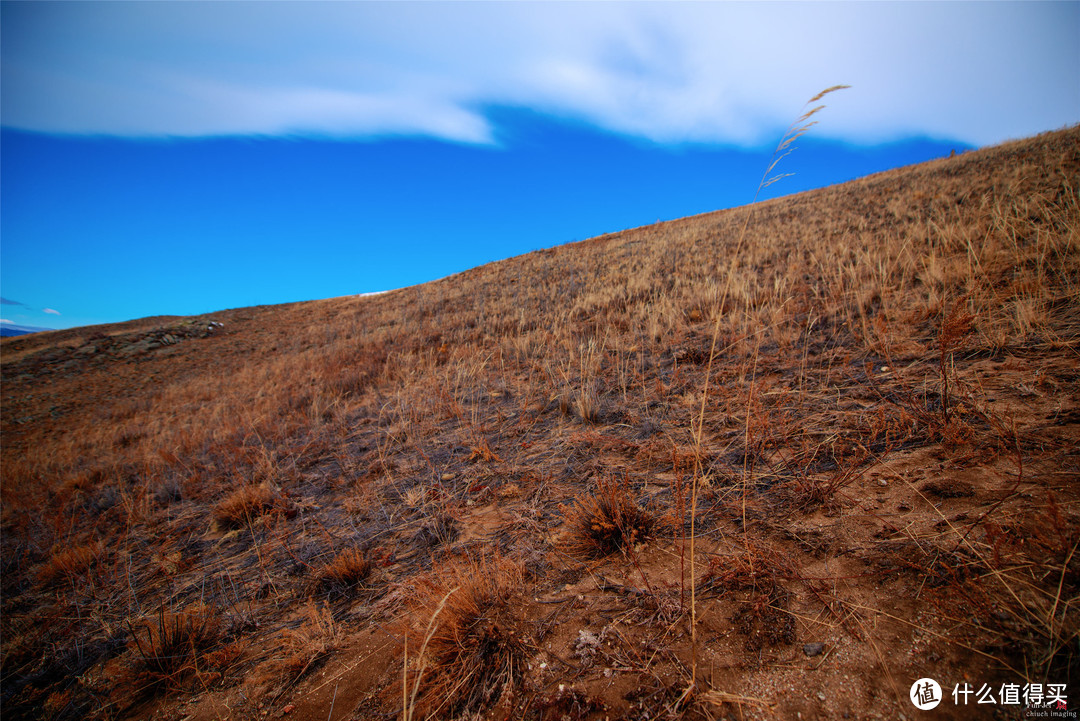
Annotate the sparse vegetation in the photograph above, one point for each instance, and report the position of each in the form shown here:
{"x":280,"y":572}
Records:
{"x":854,"y":431}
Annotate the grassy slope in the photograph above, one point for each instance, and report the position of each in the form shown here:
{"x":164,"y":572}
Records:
{"x":220,"y":519}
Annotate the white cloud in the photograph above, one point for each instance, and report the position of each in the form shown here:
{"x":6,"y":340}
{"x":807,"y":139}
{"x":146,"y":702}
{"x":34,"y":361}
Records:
{"x":710,"y":72}
{"x":5,"y":320}
{"x":50,"y":311}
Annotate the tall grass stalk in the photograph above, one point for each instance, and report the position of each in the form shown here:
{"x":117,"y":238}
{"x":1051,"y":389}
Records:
{"x":408,"y":703}
{"x":784,"y":148}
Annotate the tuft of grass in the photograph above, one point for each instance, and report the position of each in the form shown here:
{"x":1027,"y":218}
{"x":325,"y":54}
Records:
{"x":349,"y":569}
{"x":245,"y":504}
{"x":168,"y":649}
{"x":309,"y":645}
{"x":763,"y":617}
{"x":587,"y":405}
{"x":479,"y":647}
{"x":954,"y":326}
{"x":70,"y":563}
{"x":609,"y":522}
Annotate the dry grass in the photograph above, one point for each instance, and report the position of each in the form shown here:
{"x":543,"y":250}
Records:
{"x":347,"y":570}
{"x":245,"y":504}
{"x":876,"y":399}
{"x":609,"y":521}
{"x":70,"y":564}
{"x":169,"y":646}
{"x":478,"y":645}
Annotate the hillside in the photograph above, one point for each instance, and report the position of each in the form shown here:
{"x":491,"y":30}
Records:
{"x":540,"y":490}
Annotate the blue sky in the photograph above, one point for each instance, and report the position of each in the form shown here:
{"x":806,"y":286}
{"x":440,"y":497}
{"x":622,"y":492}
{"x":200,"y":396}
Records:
{"x":184,"y":157}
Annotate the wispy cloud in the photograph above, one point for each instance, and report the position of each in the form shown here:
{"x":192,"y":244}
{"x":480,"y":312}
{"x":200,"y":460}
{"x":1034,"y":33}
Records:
{"x":669,"y":72}
{"x":8,"y":301}
{"x":50,"y":311}
{"x":5,"y":320}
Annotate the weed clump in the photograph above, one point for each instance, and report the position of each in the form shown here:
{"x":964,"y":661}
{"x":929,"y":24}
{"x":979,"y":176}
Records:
{"x":765,"y":621}
{"x":763,"y":618}
{"x":440,"y":530}
{"x":609,"y":522}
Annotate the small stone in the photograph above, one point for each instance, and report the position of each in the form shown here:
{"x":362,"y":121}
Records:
{"x":449,"y":476}
{"x":813,"y":649}
{"x":821,"y":696}
{"x":883,"y":482}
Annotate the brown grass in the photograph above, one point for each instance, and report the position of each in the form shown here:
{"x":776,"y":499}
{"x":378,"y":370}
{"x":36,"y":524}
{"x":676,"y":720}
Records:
{"x":477,"y":651}
{"x":69,"y":564}
{"x":347,"y":570}
{"x":245,"y":504}
{"x":169,"y":646}
{"x":609,"y":521}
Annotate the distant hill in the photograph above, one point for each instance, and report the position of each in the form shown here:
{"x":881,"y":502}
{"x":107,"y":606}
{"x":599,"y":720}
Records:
{"x":8,"y":330}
